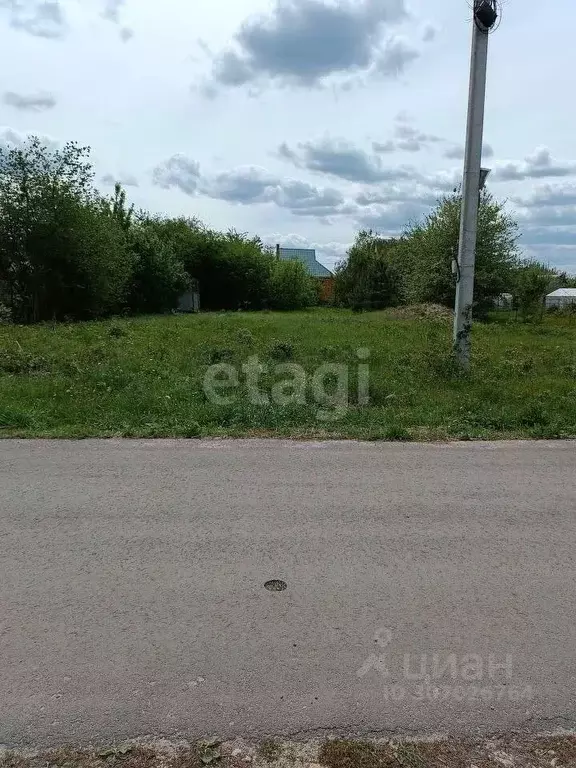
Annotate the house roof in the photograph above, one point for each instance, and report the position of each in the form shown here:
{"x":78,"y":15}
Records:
{"x":308,"y":257}
{"x":564,"y":292}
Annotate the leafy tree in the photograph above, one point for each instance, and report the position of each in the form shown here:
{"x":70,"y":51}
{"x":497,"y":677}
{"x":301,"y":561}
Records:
{"x":291,"y":286}
{"x":233,"y":270}
{"x":58,"y":257}
{"x":368,"y":279}
{"x":425,"y":253}
{"x":532,"y":282}
{"x":119,"y":209}
{"x":159,"y":278}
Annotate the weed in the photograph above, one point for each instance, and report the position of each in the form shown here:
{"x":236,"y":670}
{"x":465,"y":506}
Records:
{"x":19,"y":362}
{"x":532,"y":415}
{"x":245,"y":337}
{"x":281,"y":350}
{"x":69,"y":380}
{"x":270,"y":750}
{"x":117,"y":331}
{"x":220,"y":355}
{"x":344,"y":753}
{"x":189,"y":430}
{"x":12,"y":418}
{"x":394,"y":432}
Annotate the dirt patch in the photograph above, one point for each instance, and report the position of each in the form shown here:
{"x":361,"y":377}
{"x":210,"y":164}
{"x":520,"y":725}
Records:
{"x":555,"y":751}
{"x":341,"y":753}
{"x":420,"y":312}
{"x":546,"y":751}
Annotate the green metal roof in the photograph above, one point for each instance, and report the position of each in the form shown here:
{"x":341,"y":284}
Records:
{"x":308,"y":257}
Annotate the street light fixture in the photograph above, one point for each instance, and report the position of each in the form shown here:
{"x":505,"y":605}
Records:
{"x":484,"y":173}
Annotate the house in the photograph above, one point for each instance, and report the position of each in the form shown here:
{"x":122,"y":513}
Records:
{"x":561,"y":298}
{"x":308,"y":257}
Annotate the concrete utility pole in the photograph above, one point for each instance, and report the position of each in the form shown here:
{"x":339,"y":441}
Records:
{"x":485,"y":15}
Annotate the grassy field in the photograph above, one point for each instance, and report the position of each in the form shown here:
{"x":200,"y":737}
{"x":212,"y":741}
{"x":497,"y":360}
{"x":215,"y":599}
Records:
{"x":144,"y":377}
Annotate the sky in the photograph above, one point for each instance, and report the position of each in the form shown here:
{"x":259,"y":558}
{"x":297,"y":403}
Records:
{"x":301,"y":121}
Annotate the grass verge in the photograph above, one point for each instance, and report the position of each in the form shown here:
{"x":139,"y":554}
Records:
{"x":144,"y":377}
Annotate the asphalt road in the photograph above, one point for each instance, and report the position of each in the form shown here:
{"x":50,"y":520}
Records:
{"x":132,"y":595}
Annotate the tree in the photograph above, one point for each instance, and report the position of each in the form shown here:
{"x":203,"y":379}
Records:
{"x":159,"y":278}
{"x":425,"y":253}
{"x":291,"y":286}
{"x":58,"y":255}
{"x":532,"y":282}
{"x":368,"y":279}
{"x":117,"y":207}
{"x":233,"y":270}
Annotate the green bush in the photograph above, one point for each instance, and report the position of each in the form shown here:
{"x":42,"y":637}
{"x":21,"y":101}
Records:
{"x":368,"y":279}
{"x":61,"y":254}
{"x":17,"y":361}
{"x":290,"y":286}
{"x":232,"y":269}
{"x":159,"y":278}
{"x":282,"y":350}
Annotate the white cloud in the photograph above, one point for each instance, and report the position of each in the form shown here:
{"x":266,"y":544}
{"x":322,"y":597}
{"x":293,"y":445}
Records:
{"x":350,"y":157}
{"x":33,"y":102}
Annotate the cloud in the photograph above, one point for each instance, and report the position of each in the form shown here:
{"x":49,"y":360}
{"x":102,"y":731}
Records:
{"x":384,"y":147}
{"x":42,"y":18}
{"x":112,"y":10}
{"x":393,"y":194}
{"x":411,"y":139}
{"x":391,"y":219}
{"x":33,"y":103}
{"x":561,"y":256}
{"x":429,"y":33}
{"x":45,"y":18}
{"x":544,"y":236}
{"x":456,"y":152}
{"x":126,"y":34}
{"x":407,"y":138}
{"x":250,"y":184}
{"x":125,"y":179}
{"x":12,"y":139}
{"x":345,"y":161}
{"x":178,"y":171}
{"x":547,"y":195}
{"x":537,"y":166}
{"x":547,"y":221}
{"x":303,"y":42}
{"x":391,"y":207}
{"x":395,"y":56}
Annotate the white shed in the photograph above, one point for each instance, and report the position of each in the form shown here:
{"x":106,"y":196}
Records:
{"x":561,"y":298}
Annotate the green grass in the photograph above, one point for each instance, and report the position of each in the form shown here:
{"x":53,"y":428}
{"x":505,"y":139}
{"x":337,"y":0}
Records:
{"x":144,"y":377}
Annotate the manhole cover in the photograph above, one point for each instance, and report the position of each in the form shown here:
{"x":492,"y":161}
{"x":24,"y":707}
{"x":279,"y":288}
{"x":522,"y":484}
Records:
{"x":276,"y":585}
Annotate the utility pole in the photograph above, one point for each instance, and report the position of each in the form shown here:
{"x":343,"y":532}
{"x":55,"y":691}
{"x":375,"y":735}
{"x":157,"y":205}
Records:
{"x":485,"y":15}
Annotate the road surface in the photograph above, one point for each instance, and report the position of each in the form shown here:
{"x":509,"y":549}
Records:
{"x":430,"y":588}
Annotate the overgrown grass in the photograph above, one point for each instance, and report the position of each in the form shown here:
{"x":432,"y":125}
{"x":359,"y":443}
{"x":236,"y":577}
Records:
{"x":144,"y":377}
